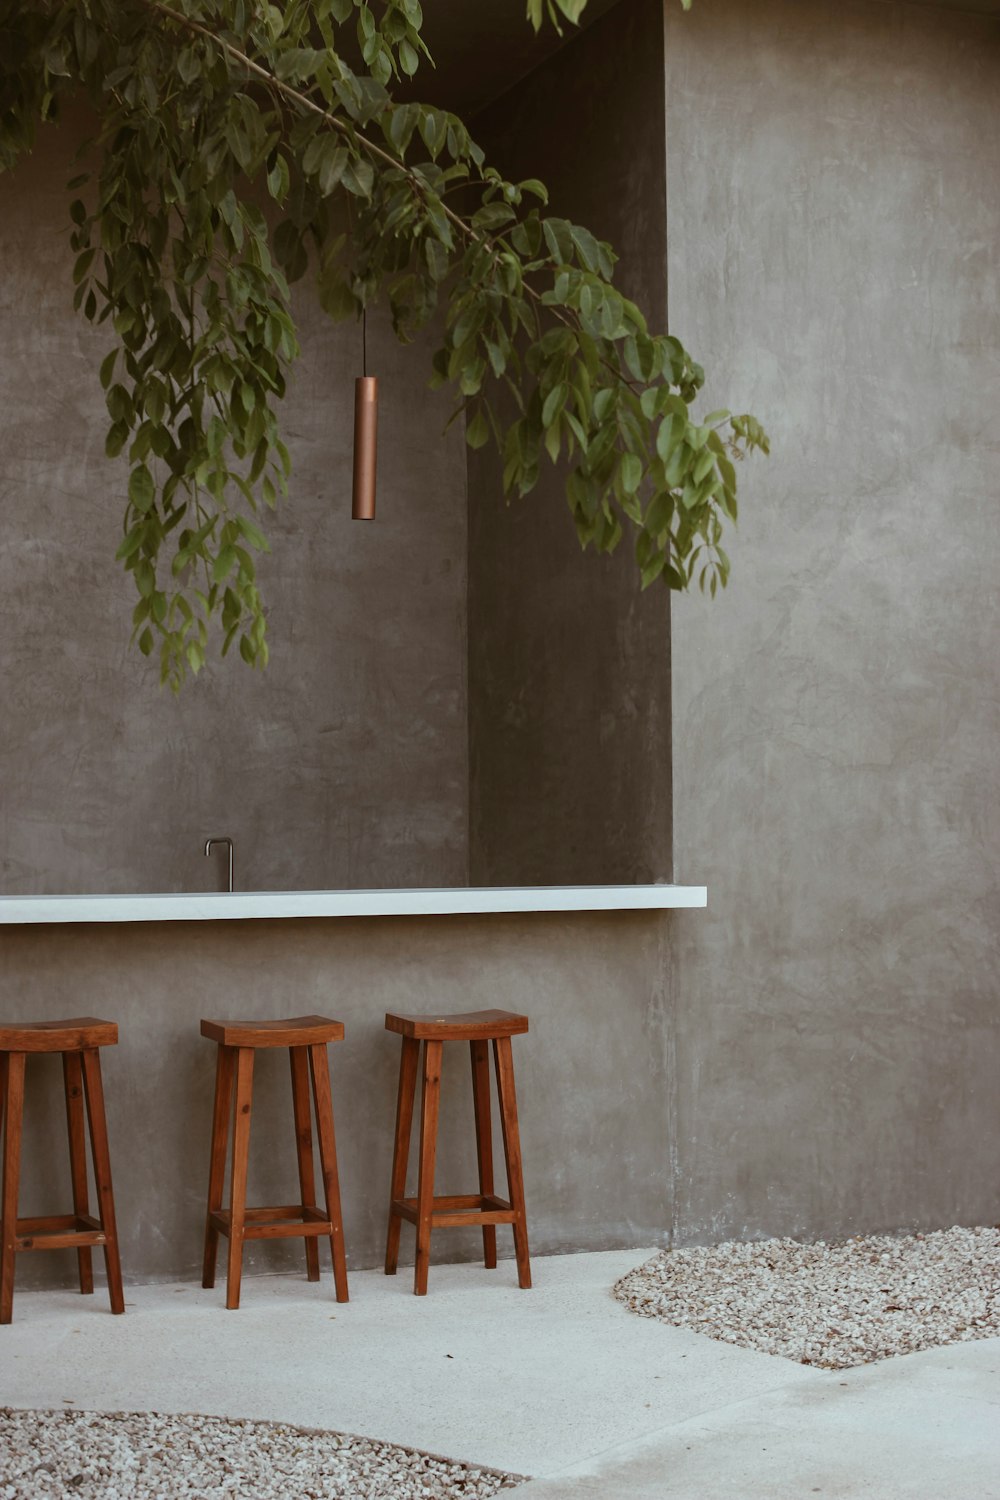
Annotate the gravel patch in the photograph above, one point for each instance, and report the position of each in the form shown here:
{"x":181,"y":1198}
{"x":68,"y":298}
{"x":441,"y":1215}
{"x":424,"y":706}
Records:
{"x":146,"y":1456}
{"x":831,"y":1305}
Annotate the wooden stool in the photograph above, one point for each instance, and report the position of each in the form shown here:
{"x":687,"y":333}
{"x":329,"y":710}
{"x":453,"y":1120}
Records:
{"x":78,"y":1040}
{"x":485,"y":1208}
{"x":306,"y":1038}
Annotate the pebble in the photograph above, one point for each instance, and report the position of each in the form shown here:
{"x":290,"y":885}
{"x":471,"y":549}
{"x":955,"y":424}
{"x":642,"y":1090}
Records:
{"x":149,"y":1456}
{"x":831,"y":1305}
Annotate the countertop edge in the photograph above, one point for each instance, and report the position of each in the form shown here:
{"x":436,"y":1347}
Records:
{"x":210,"y":906}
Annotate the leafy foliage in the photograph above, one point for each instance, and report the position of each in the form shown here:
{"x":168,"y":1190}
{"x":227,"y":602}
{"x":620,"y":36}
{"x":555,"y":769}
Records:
{"x":209,"y":108}
{"x":552,"y":10}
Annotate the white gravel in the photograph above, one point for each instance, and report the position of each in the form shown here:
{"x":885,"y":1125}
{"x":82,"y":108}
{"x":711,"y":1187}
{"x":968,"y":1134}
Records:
{"x":146,"y":1456}
{"x":831,"y":1305}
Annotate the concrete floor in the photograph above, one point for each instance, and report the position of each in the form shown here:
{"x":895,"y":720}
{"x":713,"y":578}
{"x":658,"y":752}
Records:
{"x":560,"y":1383}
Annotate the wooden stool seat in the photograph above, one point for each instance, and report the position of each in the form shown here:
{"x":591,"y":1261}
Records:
{"x":303,"y":1031}
{"x":471,"y":1026}
{"x":306,"y":1038}
{"x":78,"y":1040}
{"x":58,"y":1036}
{"x":427,"y":1212}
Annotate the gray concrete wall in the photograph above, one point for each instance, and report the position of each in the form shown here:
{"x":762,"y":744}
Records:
{"x":590,"y":1072}
{"x":569,"y":664}
{"x":345,"y":764}
{"x":834,"y":218}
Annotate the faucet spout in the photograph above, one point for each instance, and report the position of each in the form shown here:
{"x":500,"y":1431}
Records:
{"x":222,"y":839}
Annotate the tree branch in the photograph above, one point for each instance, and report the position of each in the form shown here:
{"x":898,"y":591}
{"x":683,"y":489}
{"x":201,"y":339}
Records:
{"x":310,"y":105}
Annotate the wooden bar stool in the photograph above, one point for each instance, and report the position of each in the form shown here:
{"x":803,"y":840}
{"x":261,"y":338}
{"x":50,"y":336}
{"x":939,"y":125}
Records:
{"x":78,"y":1040}
{"x":485,"y":1208}
{"x":306,"y":1038}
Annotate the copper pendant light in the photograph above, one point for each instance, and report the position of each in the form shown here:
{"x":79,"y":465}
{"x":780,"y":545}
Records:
{"x":365,"y":436}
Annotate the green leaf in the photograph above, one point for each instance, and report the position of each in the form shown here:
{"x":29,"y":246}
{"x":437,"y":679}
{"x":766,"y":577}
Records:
{"x":652,"y":570}
{"x":631,"y":472}
{"x":119,"y":404}
{"x":189,"y":64}
{"x":290,"y":249}
{"x":477,"y":431}
{"x":83,"y":264}
{"x":141,"y":489}
{"x":215,"y":436}
{"x":533,"y":186}
{"x":586,"y":246}
{"x":704,"y":466}
{"x":145,"y":579}
{"x":131,"y":542}
{"x":554,"y":403}
{"x":659,"y":514}
{"x":335,"y":296}
{"x":298,"y":62}
{"x":223,"y":565}
{"x":358,"y":177}
{"x":107,"y":368}
{"x":253,"y":534}
{"x":326,"y":158}
{"x":278,"y":179}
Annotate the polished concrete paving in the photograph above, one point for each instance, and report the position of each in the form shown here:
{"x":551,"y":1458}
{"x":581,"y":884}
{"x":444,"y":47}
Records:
{"x":560,"y":1383}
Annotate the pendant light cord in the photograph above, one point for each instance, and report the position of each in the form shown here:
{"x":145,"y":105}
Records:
{"x":364,"y":341}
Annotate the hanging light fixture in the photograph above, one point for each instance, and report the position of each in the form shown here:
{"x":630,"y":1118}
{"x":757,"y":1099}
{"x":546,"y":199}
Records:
{"x":365,"y":435}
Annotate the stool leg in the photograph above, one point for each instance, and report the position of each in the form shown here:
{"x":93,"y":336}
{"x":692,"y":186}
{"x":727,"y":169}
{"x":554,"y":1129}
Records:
{"x":484,"y":1139}
{"x":328,"y":1162}
{"x":430,"y":1094}
{"x":238,"y":1177}
{"x":504,"y":1062}
{"x":217,"y":1166}
{"x":102,"y":1174}
{"x":401,"y":1149}
{"x":13,"y":1097}
{"x":76,"y":1126}
{"x":298,"y":1058}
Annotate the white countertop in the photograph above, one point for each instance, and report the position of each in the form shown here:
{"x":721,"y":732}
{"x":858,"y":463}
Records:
{"x":210,"y":906}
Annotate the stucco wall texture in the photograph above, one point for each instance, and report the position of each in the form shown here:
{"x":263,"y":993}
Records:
{"x":834,"y":230}
{"x":345,"y":764}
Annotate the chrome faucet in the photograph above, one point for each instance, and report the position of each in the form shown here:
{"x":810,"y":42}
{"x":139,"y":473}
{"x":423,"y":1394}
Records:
{"x":229,"y":845}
